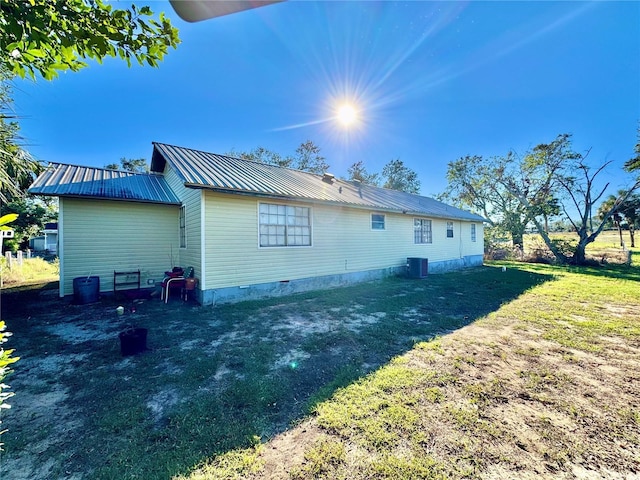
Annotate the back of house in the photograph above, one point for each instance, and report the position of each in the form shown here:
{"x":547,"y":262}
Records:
{"x":248,"y":229}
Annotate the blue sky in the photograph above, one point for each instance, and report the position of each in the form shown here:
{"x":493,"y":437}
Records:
{"x":431,"y":82}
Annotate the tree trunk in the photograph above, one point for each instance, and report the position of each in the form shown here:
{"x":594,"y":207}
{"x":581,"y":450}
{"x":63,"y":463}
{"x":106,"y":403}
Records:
{"x":560,"y":257}
{"x":618,"y":224}
{"x":517,"y":239}
{"x":579,"y":255}
{"x":632,"y":235}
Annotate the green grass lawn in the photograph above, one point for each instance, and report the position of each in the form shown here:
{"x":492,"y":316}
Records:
{"x":531,"y":371}
{"x":545,"y":386}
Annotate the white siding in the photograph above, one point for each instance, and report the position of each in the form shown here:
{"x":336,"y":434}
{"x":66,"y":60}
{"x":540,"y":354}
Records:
{"x":191,"y":255}
{"x":100,"y":236}
{"x":342,"y":242}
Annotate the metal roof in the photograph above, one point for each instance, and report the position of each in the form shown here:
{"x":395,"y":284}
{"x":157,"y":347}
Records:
{"x":61,"y":180}
{"x":200,"y":169}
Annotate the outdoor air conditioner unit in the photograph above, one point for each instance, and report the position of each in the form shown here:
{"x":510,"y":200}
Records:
{"x":417,"y":267}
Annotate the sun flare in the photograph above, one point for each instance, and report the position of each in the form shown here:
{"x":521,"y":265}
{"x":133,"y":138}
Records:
{"x":347,"y":115}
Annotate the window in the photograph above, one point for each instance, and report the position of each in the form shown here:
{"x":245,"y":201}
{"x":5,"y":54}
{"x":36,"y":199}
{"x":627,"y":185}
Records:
{"x":449,"y":229}
{"x":284,"y":225}
{"x":183,"y":226}
{"x":473,"y":232}
{"x":377,"y":221}
{"x":422,"y":230}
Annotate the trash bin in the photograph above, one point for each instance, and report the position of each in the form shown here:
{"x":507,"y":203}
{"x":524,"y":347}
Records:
{"x":86,"y":290}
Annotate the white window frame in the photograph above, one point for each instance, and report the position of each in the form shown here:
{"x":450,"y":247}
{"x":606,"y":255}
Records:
{"x":473,"y":232}
{"x":424,"y":239}
{"x":450,"y":229}
{"x":182,"y":227}
{"x":289,"y":212}
{"x":378,"y":222}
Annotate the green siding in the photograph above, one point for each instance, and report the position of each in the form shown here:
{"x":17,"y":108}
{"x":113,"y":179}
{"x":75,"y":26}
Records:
{"x":191,"y":255}
{"x":343,"y":242}
{"x":100,"y":236}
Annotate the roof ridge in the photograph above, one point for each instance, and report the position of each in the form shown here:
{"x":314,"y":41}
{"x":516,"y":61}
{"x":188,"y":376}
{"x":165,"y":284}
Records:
{"x":129,"y":172}
{"x":237,"y":158}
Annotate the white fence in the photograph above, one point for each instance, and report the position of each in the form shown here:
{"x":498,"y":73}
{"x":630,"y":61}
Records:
{"x":17,"y":260}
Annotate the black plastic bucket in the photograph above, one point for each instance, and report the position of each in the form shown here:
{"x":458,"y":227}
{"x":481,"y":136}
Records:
{"x":133,"y":341}
{"x":86,"y":290}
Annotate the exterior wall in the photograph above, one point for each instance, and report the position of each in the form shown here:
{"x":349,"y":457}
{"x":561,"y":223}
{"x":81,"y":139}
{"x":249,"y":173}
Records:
{"x":191,"y":256}
{"x":51,"y":241}
{"x":343,"y":247}
{"x":97,"y":237}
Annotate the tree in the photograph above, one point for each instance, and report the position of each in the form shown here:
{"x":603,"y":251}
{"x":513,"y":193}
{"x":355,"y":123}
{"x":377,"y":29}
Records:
{"x":51,"y":36}
{"x":17,"y":168}
{"x":32,"y":213}
{"x":308,"y":158}
{"x":550,"y":179}
{"x":614,"y":218}
{"x":471,"y":185}
{"x":399,"y":177}
{"x":555,"y":169}
{"x":633,"y":164}
{"x":358,"y":172}
{"x":263,"y":155}
{"x":628,"y":210}
{"x":139,"y":165}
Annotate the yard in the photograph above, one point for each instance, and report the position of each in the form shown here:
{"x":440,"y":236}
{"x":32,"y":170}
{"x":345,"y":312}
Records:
{"x":523,"y":373}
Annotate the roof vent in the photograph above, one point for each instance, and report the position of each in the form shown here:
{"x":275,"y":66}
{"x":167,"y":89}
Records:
{"x":328,"y":177}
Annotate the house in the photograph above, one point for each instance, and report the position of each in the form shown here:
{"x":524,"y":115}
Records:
{"x":48,"y":242}
{"x":249,"y":229}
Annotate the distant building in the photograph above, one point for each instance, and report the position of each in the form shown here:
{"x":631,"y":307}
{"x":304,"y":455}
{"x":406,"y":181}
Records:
{"x":48,"y":242}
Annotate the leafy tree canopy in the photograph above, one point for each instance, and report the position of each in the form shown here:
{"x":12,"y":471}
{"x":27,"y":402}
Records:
{"x":306,"y":158}
{"x":138,"y":165}
{"x":627,"y":210}
{"x":358,"y":172}
{"x":549,"y":179}
{"x":46,"y":37}
{"x":263,"y":155}
{"x":32,"y":214}
{"x":397,"y":176}
{"x":633,"y":164}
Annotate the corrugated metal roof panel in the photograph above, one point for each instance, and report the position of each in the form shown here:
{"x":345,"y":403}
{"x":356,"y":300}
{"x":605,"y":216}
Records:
{"x":222,"y":173}
{"x":62,"y":180}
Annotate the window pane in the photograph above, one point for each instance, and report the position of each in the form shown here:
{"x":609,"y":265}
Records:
{"x":377,"y":221}
{"x":282,"y":225}
{"x":422,"y":230}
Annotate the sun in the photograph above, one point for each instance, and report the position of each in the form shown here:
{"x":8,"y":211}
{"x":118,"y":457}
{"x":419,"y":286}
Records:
{"x":347,"y":114}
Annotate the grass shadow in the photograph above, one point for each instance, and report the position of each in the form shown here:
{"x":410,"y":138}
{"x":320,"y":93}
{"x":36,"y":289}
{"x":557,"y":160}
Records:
{"x":217,"y":378}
